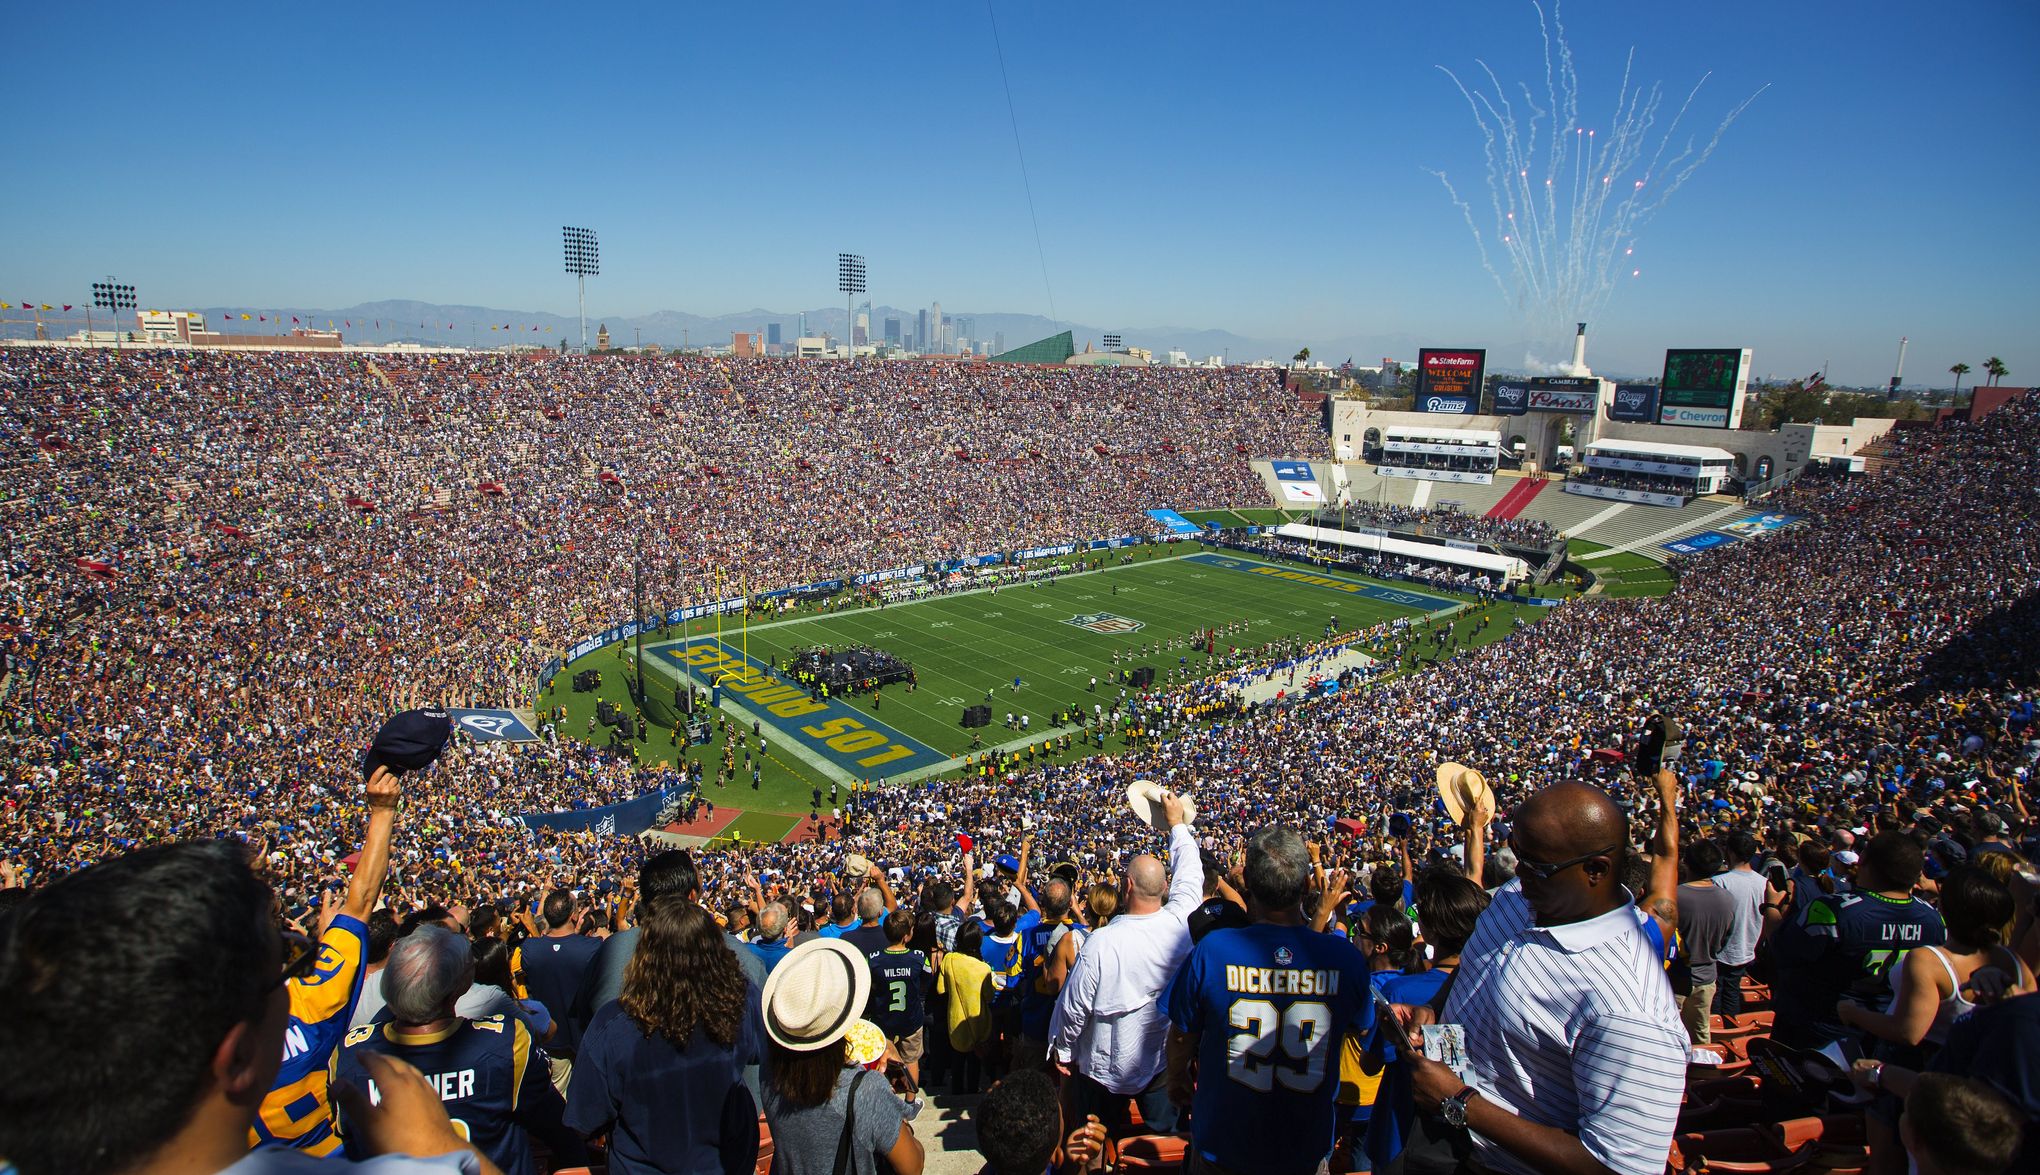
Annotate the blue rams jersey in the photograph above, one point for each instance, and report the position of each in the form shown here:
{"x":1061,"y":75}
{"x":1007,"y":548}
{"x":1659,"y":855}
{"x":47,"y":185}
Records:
{"x":1037,"y":948}
{"x":1270,"y":1004}
{"x":1005,"y":959}
{"x":295,"y":1112}
{"x":489,"y":1074}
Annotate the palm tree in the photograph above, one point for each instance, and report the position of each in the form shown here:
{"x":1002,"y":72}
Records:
{"x":1995,"y":368}
{"x":1960,"y":370}
{"x":1302,"y":356}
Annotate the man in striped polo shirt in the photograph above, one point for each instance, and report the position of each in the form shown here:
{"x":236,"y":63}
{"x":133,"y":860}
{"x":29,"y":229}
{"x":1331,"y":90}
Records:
{"x":1576,"y":1053}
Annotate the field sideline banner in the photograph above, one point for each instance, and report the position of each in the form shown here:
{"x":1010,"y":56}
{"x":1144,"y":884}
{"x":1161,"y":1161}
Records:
{"x":1044,"y":552}
{"x":917,"y":569}
{"x":625,"y":819}
{"x":1176,"y":523}
{"x":493,"y":726}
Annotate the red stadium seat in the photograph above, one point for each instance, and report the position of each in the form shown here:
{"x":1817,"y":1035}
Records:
{"x":1152,"y":1152}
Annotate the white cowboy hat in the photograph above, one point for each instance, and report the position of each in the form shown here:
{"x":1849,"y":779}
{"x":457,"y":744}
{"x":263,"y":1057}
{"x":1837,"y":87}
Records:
{"x":815,"y":993}
{"x":1144,"y":797}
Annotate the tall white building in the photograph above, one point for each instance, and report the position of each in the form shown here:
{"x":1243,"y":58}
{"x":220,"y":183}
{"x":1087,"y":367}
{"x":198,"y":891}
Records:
{"x":935,"y":332}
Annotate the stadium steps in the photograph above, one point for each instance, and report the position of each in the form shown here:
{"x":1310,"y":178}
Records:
{"x":1371,"y":489}
{"x":1876,"y":456}
{"x":1646,"y":527}
{"x":1564,"y":512}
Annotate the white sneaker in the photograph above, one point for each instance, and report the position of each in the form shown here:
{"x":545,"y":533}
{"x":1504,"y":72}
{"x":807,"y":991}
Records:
{"x":914,"y":1108}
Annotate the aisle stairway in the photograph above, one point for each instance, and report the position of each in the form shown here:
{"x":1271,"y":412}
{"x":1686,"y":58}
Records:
{"x":1645,"y":529}
{"x":1519,"y":496}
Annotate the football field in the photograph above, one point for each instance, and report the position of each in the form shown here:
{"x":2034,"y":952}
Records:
{"x":1027,"y":650}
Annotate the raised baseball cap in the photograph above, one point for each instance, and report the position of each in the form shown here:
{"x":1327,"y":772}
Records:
{"x":410,"y":741}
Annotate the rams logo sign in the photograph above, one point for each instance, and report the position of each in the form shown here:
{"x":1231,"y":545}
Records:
{"x":1105,"y":622}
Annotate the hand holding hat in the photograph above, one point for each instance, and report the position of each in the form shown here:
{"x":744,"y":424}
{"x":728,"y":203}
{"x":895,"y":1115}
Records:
{"x":1157,"y":807}
{"x":1465,"y":793}
{"x":410,"y":741}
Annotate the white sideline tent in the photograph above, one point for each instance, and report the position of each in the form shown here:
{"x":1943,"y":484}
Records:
{"x":1506,"y":568}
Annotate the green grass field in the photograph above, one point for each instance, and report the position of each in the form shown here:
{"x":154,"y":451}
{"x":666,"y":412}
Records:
{"x":967,"y":649}
{"x":1629,"y":574}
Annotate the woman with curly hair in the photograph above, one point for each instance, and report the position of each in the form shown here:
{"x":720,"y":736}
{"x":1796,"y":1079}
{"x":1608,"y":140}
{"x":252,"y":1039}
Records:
{"x":661,"y":1066}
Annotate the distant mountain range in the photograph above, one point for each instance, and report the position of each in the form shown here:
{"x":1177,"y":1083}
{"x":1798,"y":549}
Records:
{"x":399,"y":320}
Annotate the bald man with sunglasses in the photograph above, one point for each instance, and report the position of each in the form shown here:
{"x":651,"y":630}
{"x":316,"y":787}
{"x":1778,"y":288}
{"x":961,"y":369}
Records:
{"x":1577,"y":1056}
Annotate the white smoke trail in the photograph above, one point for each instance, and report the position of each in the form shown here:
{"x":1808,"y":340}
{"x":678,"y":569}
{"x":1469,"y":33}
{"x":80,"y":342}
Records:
{"x":1568,"y":234}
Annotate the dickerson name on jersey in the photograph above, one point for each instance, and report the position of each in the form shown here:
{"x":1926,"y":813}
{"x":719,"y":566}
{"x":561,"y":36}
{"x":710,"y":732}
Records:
{"x":1277,"y":981}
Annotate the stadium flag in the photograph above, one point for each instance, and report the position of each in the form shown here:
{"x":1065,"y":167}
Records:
{"x":67,"y":305}
{"x":244,"y":318}
{"x":6,"y":305}
{"x":294,"y":320}
{"x":47,"y":306}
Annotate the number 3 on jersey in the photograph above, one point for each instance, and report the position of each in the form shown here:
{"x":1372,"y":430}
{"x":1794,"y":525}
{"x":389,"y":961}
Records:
{"x":1298,"y":1032}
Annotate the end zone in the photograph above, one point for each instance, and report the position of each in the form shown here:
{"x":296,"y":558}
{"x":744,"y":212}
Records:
{"x":853,"y":742}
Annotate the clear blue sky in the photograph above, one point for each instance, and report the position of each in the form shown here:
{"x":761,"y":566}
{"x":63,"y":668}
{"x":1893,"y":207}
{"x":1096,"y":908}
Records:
{"x":1258,"y":168}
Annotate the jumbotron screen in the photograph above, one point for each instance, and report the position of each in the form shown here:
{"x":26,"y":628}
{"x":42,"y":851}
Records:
{"x":1703,"y":387}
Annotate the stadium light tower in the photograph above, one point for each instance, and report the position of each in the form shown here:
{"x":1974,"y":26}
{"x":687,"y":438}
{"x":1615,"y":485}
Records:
{"x":584,"y":260}
{"x":850,"y":280}
{"x":112,"y":297}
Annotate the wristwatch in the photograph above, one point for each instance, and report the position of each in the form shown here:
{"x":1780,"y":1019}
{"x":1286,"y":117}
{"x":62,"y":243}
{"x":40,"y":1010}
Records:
{"x":1453,"y":1109}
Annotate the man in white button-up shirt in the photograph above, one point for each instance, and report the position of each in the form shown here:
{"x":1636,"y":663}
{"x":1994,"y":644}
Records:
{"x":1108,"y":1035}
{"x":1576,"y":1052}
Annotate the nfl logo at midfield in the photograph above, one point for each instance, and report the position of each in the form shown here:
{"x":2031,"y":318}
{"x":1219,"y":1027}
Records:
{"x":1106,"y":623}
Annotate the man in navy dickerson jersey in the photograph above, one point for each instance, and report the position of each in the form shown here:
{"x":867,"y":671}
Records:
{"x":1265,"y":1007}
{"x":489,"y":1073}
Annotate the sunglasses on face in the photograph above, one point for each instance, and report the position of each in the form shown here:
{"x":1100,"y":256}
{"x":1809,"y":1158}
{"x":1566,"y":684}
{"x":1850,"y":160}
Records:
{"x":1543,"y":872}
{"x":300,"y":958}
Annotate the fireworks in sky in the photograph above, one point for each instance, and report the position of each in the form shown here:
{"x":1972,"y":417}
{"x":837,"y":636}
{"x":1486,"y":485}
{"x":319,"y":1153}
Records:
{"x":1569,"y":199}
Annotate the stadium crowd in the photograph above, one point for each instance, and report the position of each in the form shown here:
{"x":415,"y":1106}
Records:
{"x":1432,"y":520}
{"x":1855,"y":692}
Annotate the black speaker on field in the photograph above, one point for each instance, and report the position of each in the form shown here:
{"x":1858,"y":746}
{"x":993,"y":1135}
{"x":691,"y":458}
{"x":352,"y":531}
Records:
{"x":977,"y":716}
{"x":1143,"y":676}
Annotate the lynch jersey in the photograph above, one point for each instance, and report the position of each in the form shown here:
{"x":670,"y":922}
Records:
{"x":489,"y":1074}
{"x":295,"y":1112}
{"x":897,"y":982}
{"x":1844,"y":946}
{"x":1271,"y":1005}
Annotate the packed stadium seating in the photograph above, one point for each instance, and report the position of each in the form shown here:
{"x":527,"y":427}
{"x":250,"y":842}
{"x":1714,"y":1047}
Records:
{"x":222,"y":571}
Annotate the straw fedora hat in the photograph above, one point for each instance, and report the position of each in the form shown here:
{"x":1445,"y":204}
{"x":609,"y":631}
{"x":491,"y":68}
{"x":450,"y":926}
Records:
{"x":815,"y":994}
{"x":1464,"y":790}
{"x":1144,"y":797}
